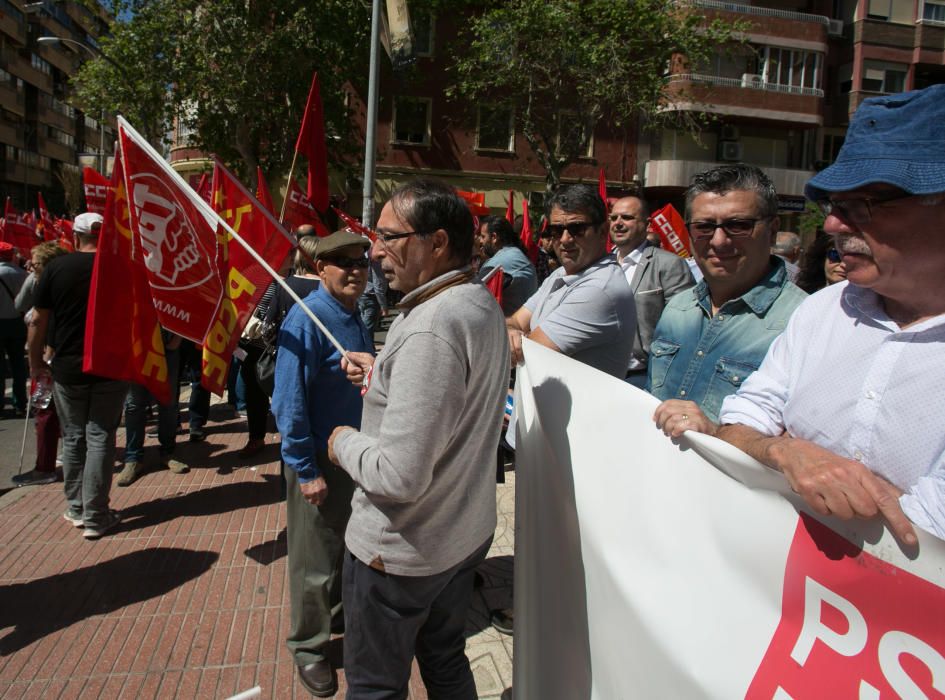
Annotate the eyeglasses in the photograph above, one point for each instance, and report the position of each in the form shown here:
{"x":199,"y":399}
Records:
{"x":386,"y":237}
{"x":347,"y":263}
{"x":614,"y":218}
{"x":575,"y":229}
{"x":833,"y":255}
{"x":859,"y":210}
{"x":734,"y":228}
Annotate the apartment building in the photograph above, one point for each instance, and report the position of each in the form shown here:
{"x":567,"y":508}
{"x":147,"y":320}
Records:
{"x":40,"y":131}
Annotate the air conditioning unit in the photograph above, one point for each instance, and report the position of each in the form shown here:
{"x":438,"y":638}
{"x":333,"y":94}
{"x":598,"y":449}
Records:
{"x":835,"y":27}
{"x":730,"y":151}
{"x":729,"y":133}
{"x":751,"y":80}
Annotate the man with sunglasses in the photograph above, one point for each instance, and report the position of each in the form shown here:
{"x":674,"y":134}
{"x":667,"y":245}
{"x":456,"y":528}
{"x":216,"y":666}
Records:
{"x":585,"y":308}
{"x":846,"y":403}
{"x":424,"y":512}
{"x":654,"y":275}
{"x":710,"y":339}
{"x":312,"y":396}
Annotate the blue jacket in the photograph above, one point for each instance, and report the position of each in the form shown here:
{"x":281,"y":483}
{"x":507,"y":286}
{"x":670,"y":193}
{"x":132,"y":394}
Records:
{"x":697,"y":357}
{"x":312,"y":395}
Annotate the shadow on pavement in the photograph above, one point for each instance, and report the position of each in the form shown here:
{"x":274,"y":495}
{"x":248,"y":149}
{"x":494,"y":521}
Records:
{"x":46,"y":605}
{"x":267,"y":552}
{"x":211,"y":501}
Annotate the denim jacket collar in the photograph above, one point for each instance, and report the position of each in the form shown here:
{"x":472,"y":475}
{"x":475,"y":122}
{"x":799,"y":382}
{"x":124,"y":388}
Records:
{"x":759,"y":298}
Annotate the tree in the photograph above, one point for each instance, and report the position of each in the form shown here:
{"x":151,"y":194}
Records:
{"x":563,"y":66}
{"x":234,"y":72}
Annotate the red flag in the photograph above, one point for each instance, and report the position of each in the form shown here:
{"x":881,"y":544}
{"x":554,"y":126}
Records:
{"x":176,"y":232}
{"x":262,"y":191}
{"x":672,"y":231}
{"x":311,"y":144}
{"x":122,"y":336}
{"x":64,"y":229}
{"x":17,"y":231}
{"x":203,"y":188}
{"x":299,"y":210}
{"x":353,"y":224}
{"x":602,"y":190}
{"x":96,"y":187}
{"x":528,"y":238}
{"x":244,"y":278}
{"x":476,"y":201}
{"x":510,"y":209}
{"x":493,"y":281}
{"x":46,"y":226}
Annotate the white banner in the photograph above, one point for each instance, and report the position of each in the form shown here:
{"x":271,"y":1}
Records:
{"x":648,"y":568}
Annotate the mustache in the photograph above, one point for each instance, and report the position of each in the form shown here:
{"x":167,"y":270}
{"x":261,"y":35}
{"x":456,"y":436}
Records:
{"x":852,"y":245}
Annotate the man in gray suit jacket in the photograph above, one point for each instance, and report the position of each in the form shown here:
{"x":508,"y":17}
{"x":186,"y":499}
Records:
{"x":653,"y":274}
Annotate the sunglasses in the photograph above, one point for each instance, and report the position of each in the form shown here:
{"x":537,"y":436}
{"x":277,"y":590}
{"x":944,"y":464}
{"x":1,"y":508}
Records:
{"x":614,"y":218}
{"x":834,"y":256}
{"x":734,"y":228}
{"x":575,"y":229}
{"x":347,"y":263}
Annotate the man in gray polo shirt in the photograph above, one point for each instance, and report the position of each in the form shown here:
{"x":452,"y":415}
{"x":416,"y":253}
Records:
{"x":585,"y":308}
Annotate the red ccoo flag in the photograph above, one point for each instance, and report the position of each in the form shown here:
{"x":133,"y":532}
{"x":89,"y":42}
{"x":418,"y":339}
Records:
{"x":299,"y":210}
{"x":176,"y":232}
{"x":17,"y":230}
{"x":123,"y":336}
{"x":96,"y":187}
{"x":262,"y":191}
{"x":510,"y":209}
{"x":203,"y":188}
{"x":353,"y":224}
{"x":311,"y":144}
{"x":46,"y":228}
{"x":244,"y":279}
{"x":528,"y":238}
{"x":494,"y":281}
{"x":671,"y":228}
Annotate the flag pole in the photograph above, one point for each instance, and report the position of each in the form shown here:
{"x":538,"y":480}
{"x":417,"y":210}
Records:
{"x":285,"y":199}
{"x":282,"y":283}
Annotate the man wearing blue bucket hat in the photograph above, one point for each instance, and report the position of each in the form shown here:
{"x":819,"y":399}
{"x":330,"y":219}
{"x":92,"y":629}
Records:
{"x":846,"y":401}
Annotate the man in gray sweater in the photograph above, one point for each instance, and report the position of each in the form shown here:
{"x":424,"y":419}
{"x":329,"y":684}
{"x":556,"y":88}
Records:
{"x":423,"y":513}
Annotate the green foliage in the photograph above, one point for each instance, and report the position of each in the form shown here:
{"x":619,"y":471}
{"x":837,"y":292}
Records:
{"x":237,"y":72}
{"x":580,"y":62}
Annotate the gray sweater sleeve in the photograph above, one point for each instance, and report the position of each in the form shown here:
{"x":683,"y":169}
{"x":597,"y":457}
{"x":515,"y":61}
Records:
{"x":24,"y":299}
{"x":398,"y":464}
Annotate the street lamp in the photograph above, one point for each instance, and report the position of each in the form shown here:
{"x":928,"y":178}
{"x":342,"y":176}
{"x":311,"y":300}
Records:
{"x":94,"y":54}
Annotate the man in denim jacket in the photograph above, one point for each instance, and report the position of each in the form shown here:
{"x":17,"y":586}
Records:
{"x":710,"y":338}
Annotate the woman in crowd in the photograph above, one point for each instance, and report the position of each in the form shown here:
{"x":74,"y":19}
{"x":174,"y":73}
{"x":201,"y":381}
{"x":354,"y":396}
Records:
{"x":822,"y":265}
{"x":47,"y":420}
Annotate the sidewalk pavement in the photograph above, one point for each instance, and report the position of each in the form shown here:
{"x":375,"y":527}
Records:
{"x":188,"y":597}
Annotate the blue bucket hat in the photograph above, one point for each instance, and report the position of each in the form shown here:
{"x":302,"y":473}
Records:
{"x":894,"y":139}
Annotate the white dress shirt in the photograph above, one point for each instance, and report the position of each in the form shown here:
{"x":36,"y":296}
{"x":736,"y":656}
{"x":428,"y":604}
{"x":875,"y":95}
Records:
{"x":631,"y":262}
{"x":845,"y":376}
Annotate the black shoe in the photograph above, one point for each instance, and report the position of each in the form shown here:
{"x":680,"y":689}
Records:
{"x":34,"y":477}
{"x":197,"y":435}
{"x":503,"y":620}
{"x":319,"y":679}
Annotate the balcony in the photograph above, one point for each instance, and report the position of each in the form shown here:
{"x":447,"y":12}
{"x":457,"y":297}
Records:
{"x":748,"y":96}
{"x":15,"y":171}
{"x":679,"y":174}
{"x":22,"y":68}
{"x":55,"y":150}
{"x":769,"y":25}
{"x":48,"y":115}
{"x":12,"y":99}
{"x":13,"y":28}
{"x":61,"y":58}
{"x":11,"y":134}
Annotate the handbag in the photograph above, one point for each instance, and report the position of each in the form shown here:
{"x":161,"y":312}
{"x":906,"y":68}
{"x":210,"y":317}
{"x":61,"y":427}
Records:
{"x":268,"y":335}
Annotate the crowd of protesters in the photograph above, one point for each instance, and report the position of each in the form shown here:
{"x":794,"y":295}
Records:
{"x":819,"y":363}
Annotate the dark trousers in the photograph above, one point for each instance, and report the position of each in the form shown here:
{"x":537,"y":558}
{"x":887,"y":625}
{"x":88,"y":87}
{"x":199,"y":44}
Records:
{"x":47,"y":438}
{"x":12,"y":345}
{"x":390,"y":619}
{"x":257,"y":402}
{"x":316,"y":543}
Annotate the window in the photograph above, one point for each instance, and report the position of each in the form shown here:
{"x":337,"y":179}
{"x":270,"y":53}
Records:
{"x":496,"y":130}
{"x":91,"y":122}
{"x":830,"y":148}
{"x":789,"y":68}
{"x":422,"y":22}
{"x":61,"y":137}
{"x":574,"y":137}
{"x":879,"y":76}
{"x":40,"y":64}
{"x":412,"y":120}
{"x":878,"y":9}
{"x":933,"y":11}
